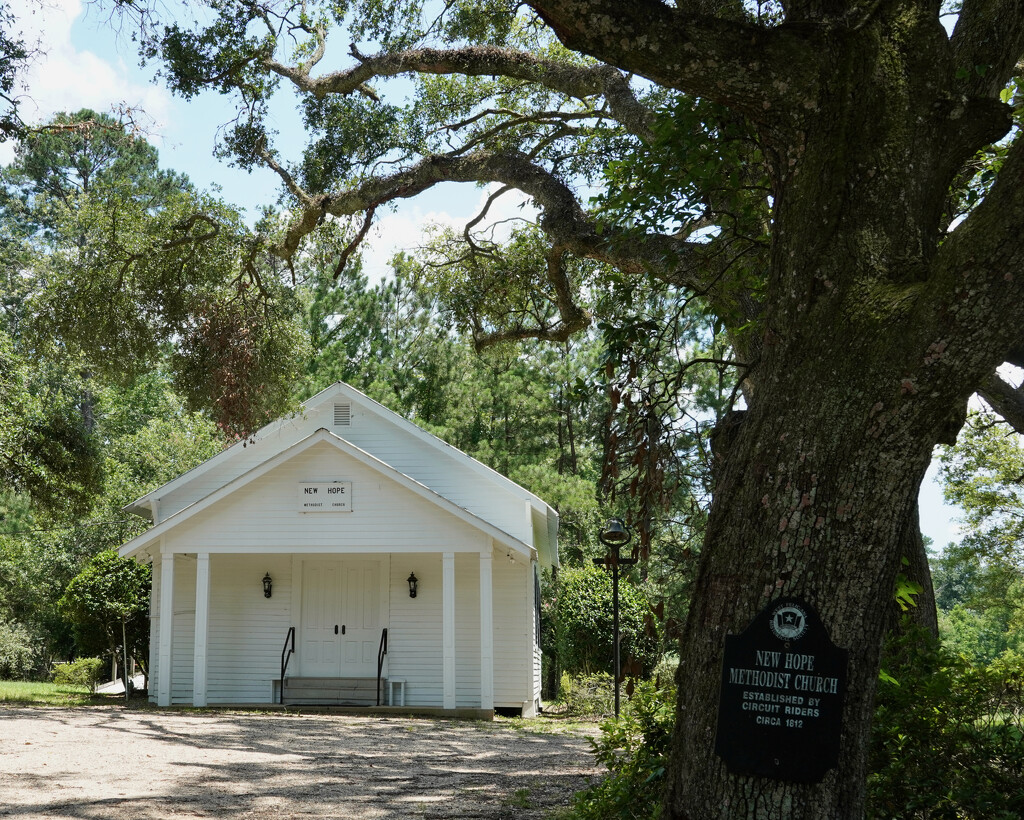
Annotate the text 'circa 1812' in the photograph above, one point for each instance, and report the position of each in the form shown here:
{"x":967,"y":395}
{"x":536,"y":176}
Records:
{"x":783,"y":681}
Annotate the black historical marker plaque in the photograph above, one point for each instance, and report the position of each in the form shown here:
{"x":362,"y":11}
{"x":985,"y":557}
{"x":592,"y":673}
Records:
{"x":781,"y":704}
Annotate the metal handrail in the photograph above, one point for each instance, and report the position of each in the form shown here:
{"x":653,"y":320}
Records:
{"x":382,"y":650}
{"x":286,"y":655}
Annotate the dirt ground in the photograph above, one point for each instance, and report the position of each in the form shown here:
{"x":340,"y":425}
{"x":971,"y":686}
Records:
{"x":107,"y":762}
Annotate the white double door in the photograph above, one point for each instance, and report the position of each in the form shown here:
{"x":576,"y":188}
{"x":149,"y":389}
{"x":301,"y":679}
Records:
{"x":343,"y":613}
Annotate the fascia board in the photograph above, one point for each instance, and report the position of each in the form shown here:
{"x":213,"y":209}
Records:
{"x":371,"y":461}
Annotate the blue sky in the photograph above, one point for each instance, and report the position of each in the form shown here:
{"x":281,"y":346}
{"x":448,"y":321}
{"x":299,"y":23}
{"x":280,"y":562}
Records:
{"x":86,"y":64}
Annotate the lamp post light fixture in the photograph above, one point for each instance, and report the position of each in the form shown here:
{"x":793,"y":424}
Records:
{"x":615,"y":535}
{"x":413,"y":583}
{"x":268,"y":585}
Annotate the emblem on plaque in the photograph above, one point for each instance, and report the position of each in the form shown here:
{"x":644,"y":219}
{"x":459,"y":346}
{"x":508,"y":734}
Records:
{"x":789,"y":622}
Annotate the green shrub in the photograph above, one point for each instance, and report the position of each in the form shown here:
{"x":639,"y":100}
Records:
{"x":664,"y":675}
{"x":634,"y":749}
{"x":583,"y":623}
{"x":83,"y":672}
{"x":587,"y":695}
{"x":20,"y":657}
{"x":947,"y":739}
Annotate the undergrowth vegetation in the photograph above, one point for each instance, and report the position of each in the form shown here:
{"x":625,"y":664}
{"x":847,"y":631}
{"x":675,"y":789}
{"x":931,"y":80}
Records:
{"x":84,"y":672}
{"x":948,"y":738}
{"x":947,"y":743}
{"x":634,"y":749}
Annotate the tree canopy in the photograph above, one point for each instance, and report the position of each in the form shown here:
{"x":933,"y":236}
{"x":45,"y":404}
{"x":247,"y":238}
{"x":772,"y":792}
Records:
{"x":980,"y":580}
{"x":92,"y":220}
{"x":13,"y":55}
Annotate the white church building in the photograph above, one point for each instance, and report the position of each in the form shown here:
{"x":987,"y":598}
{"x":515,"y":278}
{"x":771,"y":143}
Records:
{"x":345,"y":556}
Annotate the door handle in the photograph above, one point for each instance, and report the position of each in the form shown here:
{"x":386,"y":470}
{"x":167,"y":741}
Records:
{"x":343,"y":629}
{"x":335,"y":629}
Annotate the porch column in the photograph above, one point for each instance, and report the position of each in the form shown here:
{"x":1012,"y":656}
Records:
{"x":202,"y":621}
{"x":163,"y":690}
{"x":486,"y":632}
{"x":530,"y":706}
{"x":448,"y":627}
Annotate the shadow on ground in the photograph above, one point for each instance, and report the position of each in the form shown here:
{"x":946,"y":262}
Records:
{"x":108,"y":762}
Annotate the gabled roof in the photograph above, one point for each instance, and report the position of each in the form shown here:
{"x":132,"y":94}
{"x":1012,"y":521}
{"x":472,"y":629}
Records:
{"x":363,"y":457}
{"x":143,"y":506}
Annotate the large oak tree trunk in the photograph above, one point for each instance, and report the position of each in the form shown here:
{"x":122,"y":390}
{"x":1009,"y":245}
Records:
{"x":857,"y":381}
{"x":810,"y":503}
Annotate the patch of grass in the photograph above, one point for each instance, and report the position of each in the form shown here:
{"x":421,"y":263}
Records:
{"x":520,"y":799}
{"x":48,"y":694}
{"x":549,"y":724}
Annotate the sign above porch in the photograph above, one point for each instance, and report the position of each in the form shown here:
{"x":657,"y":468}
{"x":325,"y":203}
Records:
{"x":325,"y":496}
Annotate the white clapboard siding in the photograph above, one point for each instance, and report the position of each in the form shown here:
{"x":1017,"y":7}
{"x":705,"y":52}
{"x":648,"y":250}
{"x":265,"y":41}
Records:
{"x":264,"y":515}
{"x":537,"y":672}
{"x":511,"y":648}
{"x":183,"y":643}
{"x":442,"y":468}
{"x":533,"y":596}
{"x":230,"y":465}
{"x":414,"y":635}
{"x":247,"y":631}
{"x":444,"y":471}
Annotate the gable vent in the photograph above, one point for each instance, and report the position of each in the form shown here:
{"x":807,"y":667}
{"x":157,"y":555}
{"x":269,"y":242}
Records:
{"x":342,"y":415}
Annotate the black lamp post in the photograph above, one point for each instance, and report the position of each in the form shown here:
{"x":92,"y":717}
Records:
{"x":615,"y":535}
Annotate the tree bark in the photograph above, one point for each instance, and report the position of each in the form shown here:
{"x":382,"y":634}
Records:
{"x":917,"y":570}
{"x":810,"y":503}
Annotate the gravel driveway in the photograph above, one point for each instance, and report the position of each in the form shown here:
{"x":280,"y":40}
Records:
{"x":107,"y":762}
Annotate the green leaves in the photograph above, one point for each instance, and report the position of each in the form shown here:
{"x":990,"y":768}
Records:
{"x":583,"y":622}
{"x":13,"y":56}
{"x":46,"y":449}
{"x":984,"y":474}
{"x":108,"y":592}
{"x":127,"y":262}
{"x":353,"y":133}
{"x":979,"y":581}
{"x":947,"y":735}
{"x":703,"y":167}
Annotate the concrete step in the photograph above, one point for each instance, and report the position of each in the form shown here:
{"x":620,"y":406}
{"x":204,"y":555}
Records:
{"x":333,"y":691}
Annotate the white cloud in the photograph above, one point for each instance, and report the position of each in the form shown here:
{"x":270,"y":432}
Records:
{"x":66,"y":78}
{"x":407,"y":229}
{"x":404,"y":230}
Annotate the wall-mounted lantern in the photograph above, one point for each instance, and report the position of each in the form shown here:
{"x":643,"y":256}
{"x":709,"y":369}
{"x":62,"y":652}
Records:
{"x":268,"y":585}
{"x":413,"y":583}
